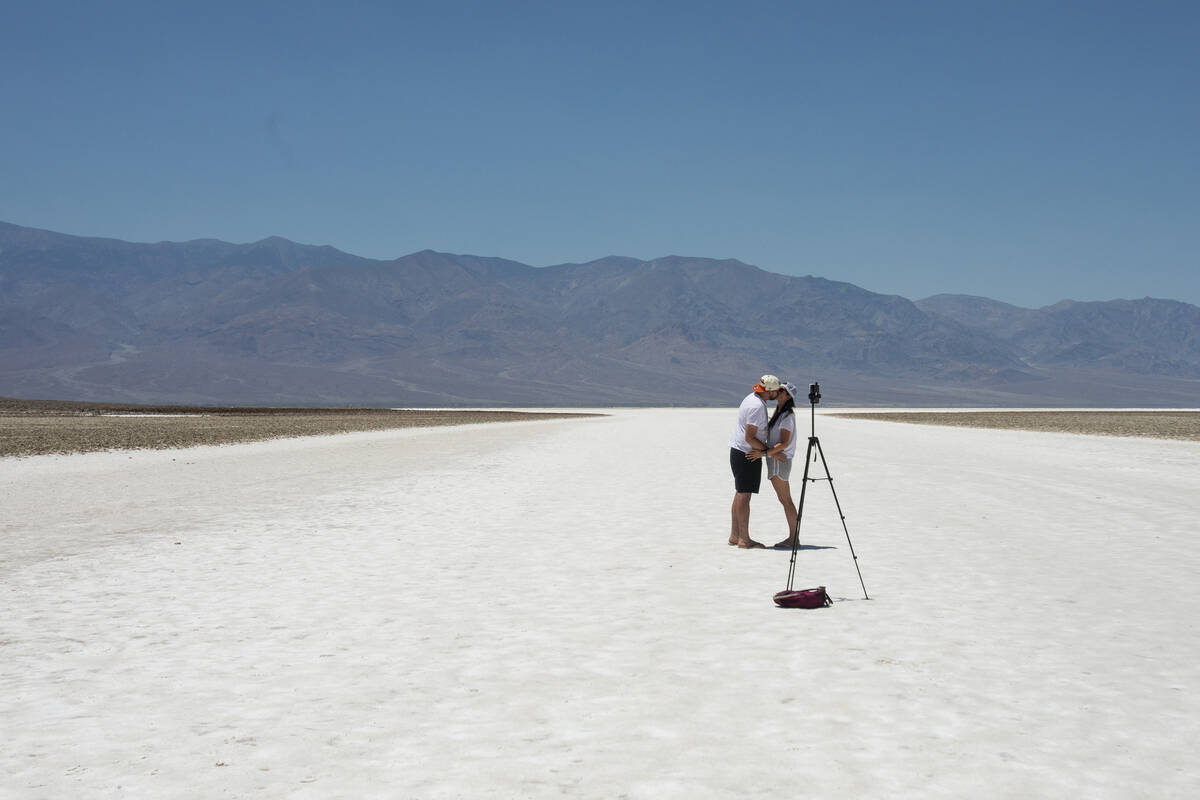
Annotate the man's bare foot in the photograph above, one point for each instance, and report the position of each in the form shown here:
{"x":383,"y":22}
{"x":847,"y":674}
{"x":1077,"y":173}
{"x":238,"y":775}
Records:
{"x":750,"y":544}
{"x":785,"y":543}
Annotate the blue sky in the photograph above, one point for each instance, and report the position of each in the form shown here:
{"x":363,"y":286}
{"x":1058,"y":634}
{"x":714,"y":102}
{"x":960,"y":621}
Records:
{"x":1027,"y":152}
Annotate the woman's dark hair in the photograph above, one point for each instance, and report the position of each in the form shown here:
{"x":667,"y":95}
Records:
{"x":782,"y":411}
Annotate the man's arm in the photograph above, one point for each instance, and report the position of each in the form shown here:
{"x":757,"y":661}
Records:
{"x":757,"y":448}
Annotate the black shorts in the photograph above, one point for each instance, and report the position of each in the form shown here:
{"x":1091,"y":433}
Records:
{"x":747,"y":474}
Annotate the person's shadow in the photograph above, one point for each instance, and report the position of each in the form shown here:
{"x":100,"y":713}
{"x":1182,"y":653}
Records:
{"x":808,"y":547}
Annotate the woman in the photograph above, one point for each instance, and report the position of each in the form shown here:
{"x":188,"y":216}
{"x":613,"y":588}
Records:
{"x":781,"y":449}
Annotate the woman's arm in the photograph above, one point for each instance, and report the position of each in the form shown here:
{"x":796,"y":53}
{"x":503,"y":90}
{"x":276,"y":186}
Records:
{"x":776,"y":452}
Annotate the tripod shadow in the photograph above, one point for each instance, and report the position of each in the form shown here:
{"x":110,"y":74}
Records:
{"x":806,"y":547}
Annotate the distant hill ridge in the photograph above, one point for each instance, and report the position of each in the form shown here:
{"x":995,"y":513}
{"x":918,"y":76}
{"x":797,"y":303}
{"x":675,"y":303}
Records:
{"x":276,"y":322}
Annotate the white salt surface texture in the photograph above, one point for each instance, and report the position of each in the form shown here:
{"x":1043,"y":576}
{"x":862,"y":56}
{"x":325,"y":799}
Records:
{"x":550,"y":609}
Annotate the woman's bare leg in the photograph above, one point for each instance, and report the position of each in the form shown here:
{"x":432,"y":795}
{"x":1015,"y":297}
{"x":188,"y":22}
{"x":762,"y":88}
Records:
{"x":783,"y":490}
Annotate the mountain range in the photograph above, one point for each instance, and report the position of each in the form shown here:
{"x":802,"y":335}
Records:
{"x":280,"y":323}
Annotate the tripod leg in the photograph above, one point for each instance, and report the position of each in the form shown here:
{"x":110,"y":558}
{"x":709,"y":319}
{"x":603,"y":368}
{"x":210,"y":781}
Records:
{"x":800,"y":512}
{"x":825,"y":464}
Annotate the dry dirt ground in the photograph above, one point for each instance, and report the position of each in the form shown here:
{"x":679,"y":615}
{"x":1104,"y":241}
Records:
{"x":39,"y":427}
{"x":1151,"y":424}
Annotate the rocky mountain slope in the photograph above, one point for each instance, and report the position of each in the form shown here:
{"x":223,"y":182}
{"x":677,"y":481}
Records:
{"x":275,"y":322}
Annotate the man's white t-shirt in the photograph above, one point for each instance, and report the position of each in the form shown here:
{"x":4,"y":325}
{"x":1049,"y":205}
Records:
{"x":752,"y":411}
{"x":788,"y":423}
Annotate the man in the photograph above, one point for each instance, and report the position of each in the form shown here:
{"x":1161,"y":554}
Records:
{"x":747,"y":471}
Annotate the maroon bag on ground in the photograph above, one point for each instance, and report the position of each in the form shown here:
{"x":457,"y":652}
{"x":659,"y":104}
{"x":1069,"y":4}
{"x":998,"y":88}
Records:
{"x":803,"y":598}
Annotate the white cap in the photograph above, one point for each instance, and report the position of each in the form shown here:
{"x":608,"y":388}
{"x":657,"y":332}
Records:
{"x":769,"y":383}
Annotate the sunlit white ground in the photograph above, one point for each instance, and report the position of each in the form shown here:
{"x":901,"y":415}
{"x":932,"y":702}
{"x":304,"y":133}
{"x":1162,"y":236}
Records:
{"x":550,"y":609}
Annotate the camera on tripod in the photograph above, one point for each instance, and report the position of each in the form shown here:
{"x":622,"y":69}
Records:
{"x":789,"y":598}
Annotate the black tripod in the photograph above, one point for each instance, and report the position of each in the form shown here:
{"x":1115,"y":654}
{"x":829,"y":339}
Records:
{"x":814,"y":397}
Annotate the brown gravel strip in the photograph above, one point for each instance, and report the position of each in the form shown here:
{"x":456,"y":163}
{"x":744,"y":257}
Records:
{"x":1151,"y":424}
{"x":38,"y":428}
